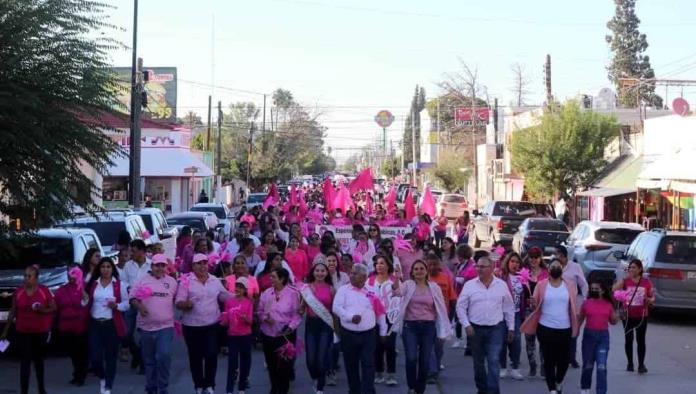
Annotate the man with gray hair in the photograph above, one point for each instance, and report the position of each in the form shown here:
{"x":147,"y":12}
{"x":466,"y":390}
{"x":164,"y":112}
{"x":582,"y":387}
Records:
{"x":360,"y":312}
{"x":485,"y":308}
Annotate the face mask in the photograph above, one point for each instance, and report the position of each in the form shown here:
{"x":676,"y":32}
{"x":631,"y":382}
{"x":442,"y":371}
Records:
{"x":555,"y":272}
{"x":594,"y":294}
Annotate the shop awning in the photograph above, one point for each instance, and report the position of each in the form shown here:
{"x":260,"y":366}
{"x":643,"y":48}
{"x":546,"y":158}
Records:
{"x":678,"y":166}
{"x":605,"y":192}
{"x":174,"y":162}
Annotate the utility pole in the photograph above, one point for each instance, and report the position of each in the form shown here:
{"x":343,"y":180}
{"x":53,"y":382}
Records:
{"x":210,"y":121}
{"x":218,"y":154}
{"x":474,"y":148}
{"x":439,"y":139}
{"x":263,"y":127}
{"x":413,"y":144}
{"x":134,"y":157}
{"x":547,"y":82}
{"x":251,"y":145}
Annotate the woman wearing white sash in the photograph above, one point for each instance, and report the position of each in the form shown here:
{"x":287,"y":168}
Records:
{"x":318,"y":297}
{"x":380,"y":282}
{"x":422,"y":318}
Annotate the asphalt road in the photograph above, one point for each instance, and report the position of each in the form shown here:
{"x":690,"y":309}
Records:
{"x":671,"y":362}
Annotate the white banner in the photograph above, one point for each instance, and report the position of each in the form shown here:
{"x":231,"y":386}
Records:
{"x":344,"y":233}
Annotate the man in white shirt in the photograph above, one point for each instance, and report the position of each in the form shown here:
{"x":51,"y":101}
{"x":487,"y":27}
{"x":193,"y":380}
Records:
{"x":241,"y":233}
{"x":573,"y":272}
{"x":359,"y":315}
{"x":485,"y":308}
{"x":134,"y":270}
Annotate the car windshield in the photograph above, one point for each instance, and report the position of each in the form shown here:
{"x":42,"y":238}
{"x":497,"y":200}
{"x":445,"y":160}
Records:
{"x":218,"y":211}
{"x":677,"y":250}
{"x":147,"y":218}
{"x":454,"y":198}
{"x":547,"y":225}
{"x":255,"y":198}
{"x":513,"y":208}
{"x":21,"y":252}
{"x":106,"y":231}
{"x":194,"y":223}
{"x":621,"y":236}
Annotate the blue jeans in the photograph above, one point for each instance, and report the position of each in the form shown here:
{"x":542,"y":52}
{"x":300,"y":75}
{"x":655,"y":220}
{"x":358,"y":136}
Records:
{"x":419,"y":339}
{"x":595,"y":349}
{"x":514,"y":349}
{"x":103,"y":347}
{"x":238,"y":356}
{"x":436,"y":358}
{"x":318,"y":343}
{"x":157,"y":357}
{"x":359,"y":358}
{"x":486,"y":344}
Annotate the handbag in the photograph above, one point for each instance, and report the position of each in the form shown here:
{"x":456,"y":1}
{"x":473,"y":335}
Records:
{"x":623,"y":310}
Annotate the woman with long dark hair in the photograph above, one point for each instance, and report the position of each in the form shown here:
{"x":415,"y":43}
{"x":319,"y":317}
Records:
{"x":89,"y":261}
{"x":319,"y":329}
{"x":375,"y":233}
{"x":449,"y":253}
{"x":519,"y":290}
{"x":183,"y":240}
{"x":380,"y":283}
{"x":462,"y":228}
{"x":537,"y":272}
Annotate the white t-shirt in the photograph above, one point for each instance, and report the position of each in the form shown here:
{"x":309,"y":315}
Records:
{"x":554,"y":308}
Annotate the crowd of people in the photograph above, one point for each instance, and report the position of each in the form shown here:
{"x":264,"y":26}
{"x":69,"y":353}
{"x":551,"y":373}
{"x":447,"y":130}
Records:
{"x":285,"y":267}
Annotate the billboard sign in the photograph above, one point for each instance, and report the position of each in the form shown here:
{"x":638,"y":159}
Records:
{"x":160,"y":89}
{"x":384,"y":119}
{"x":462,"y":116}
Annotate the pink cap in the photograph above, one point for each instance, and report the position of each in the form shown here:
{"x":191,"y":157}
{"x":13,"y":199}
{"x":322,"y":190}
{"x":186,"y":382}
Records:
{"x":198,"y":257}
{"x":159,"y":259}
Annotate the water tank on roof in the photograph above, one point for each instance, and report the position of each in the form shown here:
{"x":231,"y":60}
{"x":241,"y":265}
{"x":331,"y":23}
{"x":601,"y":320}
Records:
{"x":605,"y":100}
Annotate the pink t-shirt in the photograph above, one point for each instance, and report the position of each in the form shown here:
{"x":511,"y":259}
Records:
{"x":160,"y":305}
{"x":639,"y":306}
{"x":205,"y":296}
{"x":297,"y":260}
{"x":421,"y":306}
{"x":235,"y":307}
{"x":322,"y":292}
{"x":597,"y":313}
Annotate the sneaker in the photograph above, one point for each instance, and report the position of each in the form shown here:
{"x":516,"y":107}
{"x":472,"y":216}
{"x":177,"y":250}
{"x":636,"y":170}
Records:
{"x":504,"y":373}
{"x":331,"y":379}
{"x":209,"y":390}
{"x":390,"y":381}
{"x":457,"y":344}
{"x":442,"y":367}
{"x":431,"y":380}
{"x":559,"y":388}
{"x":102,"y":386}
{"x":379,"y":378}
{"x":629,"y":368}
{"x":574,"y":364}
{"x":199,"y":391}
{"x":553,"y":392}
{"x":515,"y":373}
{"x":107,"y":391}
{"x":642,"y":369}
{"x":320,"y":392}
{"x":241,"y":392}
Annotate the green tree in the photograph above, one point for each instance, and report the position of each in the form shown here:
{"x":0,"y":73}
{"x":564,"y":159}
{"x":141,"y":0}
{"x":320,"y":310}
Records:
{"x":629,"y":61}
{"x":564,"y":152}
{"x":417,"y":105}
{"x":391,"y":167}
{"x":452,"y":171}
{"x":56,"y":82}
{"x":191,"y":119}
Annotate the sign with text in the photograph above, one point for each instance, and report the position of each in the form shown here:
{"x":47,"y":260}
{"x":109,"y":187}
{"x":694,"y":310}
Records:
{"x":160,"y":89}
{"x":462,"y":116}
{"x":344,"y":233}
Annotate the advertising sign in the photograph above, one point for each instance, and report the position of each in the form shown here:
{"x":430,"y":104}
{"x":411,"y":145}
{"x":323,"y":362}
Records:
{"x":343,"y":234}
{"x":462,"y":116}
{"x":160,"y":90}
{"x":384,"y":119}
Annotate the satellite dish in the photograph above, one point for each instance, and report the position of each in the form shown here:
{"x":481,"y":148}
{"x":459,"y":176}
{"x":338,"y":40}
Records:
{"x":680,"y":106}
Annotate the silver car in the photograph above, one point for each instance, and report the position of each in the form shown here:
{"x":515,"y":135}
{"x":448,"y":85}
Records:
{"x":669,"y":260}
{"x":593,"y":244}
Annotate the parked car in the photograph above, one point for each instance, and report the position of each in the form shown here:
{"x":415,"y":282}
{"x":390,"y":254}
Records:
{"x":161,"y":231}
{"x":543,"y":233}
{"x":221,"y":212}
{"x":545,"y":210}
{"x":110,"y":224}
{"x":54,"y":249}
{"x":669,"y":260}
{"x":453,"y":204}
{"x":593,"y":244}
{"x":201,"y":221}
{"x":498,"y":221}
{"x":255,"y":199}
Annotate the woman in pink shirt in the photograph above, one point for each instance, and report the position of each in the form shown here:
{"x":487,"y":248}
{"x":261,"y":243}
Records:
{"x":279,"y":313}
{"x":599,"y":311}
{"x":317,"y":298}
{"x":73,"y":317}
{"x":237,"y":317}
{"x":240,"y":270}
{"x":273,"y":261}
{"x":440,"y":229}
{"x":297,"y":259}
{"x":313,"y":248}
{"x":267,"y":241}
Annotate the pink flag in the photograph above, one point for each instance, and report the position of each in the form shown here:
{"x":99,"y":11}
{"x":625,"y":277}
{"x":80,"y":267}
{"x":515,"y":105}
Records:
{"x":390,"y":199}
{"x":328,"y":193}
{"x":362,"y":181}
{"x":428,"y":203}
{"x":368,"y":204}
{"x":303,"y":204}
{"x":293,"y":195}
{"x":272,"y":198}
{"x":342,"y":199}
{"x":409,"y":206}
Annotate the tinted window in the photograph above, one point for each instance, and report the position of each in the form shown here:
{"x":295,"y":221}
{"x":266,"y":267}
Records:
{"x":254,"y":198}
{"x":106,"y":231}
{"x":147,"y":219}
{"x":677,"y":250}
{"x":547,"y":225}
{"x":91,"y":241}
{"x":513,"y":208}
{"x":197,"y":224}
{"x":616,"y":235}
{"x":19,"y":253}
{"x":218,"y":211}
{"x":454,"y":198}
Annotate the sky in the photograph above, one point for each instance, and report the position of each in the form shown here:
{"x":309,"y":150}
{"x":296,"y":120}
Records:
{"x":348,"y":59}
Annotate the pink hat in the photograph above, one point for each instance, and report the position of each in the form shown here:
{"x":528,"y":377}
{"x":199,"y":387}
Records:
{"x":159,"y":259}
{"x":198,"y":257}
{"x":242,"y":281}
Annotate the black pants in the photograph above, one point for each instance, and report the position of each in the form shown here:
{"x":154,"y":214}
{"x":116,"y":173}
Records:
{"x":359,"y":358}
{"x":32,"y":348}
{"x":386,"y":350}
{"x":76,"y":345}
{"x":635,"y":327}
{"x":202,"y":344}
{"x":279,"y":369}
{"x":555,"y":346}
